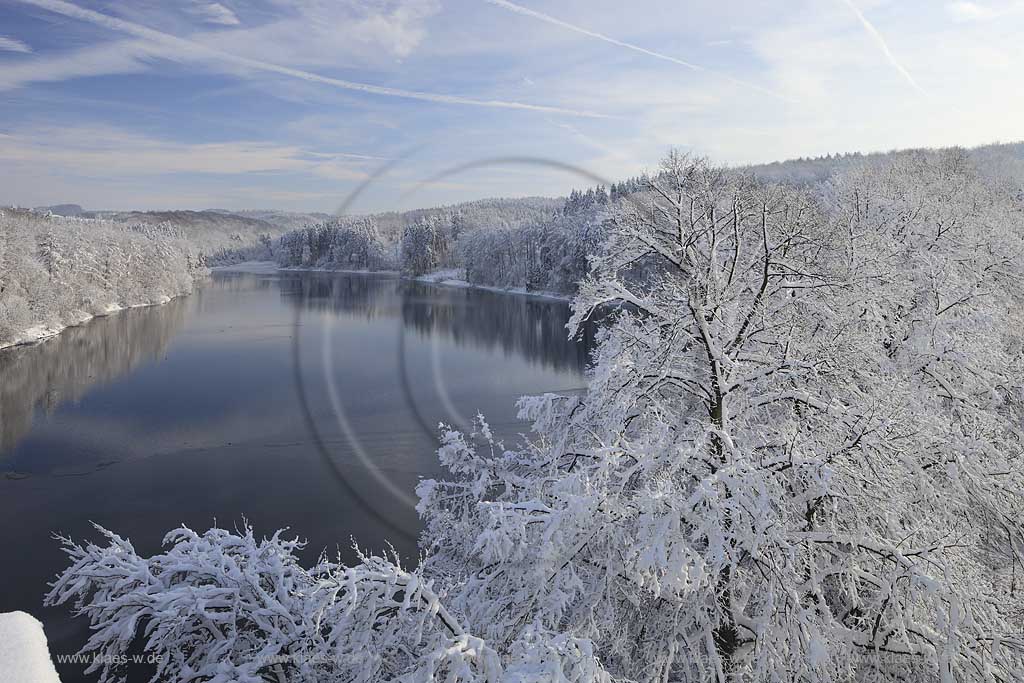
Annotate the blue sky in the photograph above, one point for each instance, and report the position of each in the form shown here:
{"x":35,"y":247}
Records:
{"x":291,"y":104}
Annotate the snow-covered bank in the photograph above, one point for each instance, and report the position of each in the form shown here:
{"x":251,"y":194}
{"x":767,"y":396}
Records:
{"x":24,"y":655}
{"x":451,"y":277}
{"x":268,"y":267}
{"x":42,"y":332}
{"x":347,"y":271}
{"x":255,"y":267}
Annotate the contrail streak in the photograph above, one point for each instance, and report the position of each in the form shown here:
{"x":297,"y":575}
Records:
{"x":547,"y":18}
{"x":526,"y":11}
{"x":188,"y":49}
{"x":880,"y":41}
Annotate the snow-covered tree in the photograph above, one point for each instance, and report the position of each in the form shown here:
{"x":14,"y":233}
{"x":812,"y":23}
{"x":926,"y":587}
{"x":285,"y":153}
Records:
{"x":58,"y":271}
{"x":426,"y":244}
{"x":224,"y":606}
{"x":799,"y":457}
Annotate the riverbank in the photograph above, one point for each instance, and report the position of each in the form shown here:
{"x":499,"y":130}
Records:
{"x":41,"y":332}
{"x":450,"y":278}
{"x":444,"y":278}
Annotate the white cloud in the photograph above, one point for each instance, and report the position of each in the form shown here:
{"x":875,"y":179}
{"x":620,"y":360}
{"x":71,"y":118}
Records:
{"x":189,"y":50}
{"x":968,"y":11}
{"x":13,"y":45}
{"x":215,"y":13}
{"x":317,"y":33}
{"x":119,"y":57}
{"x":111,"y":152}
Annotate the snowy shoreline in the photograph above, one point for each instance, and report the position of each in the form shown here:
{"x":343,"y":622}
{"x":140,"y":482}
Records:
{"x":41,"y":333}
{"x":449,"y":278}
{"x":445,"y":278}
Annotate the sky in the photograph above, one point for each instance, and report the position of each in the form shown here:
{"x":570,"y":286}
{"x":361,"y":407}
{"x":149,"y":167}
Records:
{"x":294,"y":104}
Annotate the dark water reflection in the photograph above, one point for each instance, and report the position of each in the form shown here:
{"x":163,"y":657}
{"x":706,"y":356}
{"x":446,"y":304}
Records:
{"x":45,"y":375}
{"x":189,"y":413}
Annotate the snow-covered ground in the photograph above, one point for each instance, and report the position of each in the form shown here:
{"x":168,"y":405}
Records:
{"x":311,"y":269}
{"x":24,"y":655}
{"x":256,"y":267}
{"x":267,"y":267}
{"x":38,"y":333}
{"x":453,"y":277}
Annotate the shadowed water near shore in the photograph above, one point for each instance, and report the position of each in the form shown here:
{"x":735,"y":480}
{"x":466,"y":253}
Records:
{"x":189,"y":413}
{"x":43,"y":376}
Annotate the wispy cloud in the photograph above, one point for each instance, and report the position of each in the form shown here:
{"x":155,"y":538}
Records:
{"x":13,"y":45}
{"x":349,"y":155}
{"x":214,"y":13}
{"x":547,"y":18}
{"x":968,"y":11}
{"x":882,"y":45}
{"x":188,"y":50}
{"x":104,"y":151}
{"x":120,"y":57}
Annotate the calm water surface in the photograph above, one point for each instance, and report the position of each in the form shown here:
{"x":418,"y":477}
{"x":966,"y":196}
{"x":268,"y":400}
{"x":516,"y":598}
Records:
{"x":212,"y":407}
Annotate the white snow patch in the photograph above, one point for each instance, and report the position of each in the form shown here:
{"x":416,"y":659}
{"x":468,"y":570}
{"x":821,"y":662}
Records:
{"x":257,"y":267}
{"x":32,"y":334}
{"x":322,"y":269}
{"x":24,"y":655}
{"x":454,"y":278}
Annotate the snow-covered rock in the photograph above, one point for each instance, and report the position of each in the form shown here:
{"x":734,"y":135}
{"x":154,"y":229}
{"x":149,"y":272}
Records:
{"x":24,"y":656}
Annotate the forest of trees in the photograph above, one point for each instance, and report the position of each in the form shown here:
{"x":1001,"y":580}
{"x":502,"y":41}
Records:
{"x":57,"y":271}
{"x":532,"y":244}
{"x":528,"y":244}
{"x":799,"y":458}
{"x":345,"y":244}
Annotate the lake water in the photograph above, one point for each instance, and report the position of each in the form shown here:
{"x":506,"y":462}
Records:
{"x":304,"y":400}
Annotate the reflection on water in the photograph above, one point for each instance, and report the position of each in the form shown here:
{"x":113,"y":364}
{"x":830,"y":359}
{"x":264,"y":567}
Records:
{"x":520,"y":325}
{"x":44,"y":375}
{"x":531,"y":327}
{"x":189,"y":413}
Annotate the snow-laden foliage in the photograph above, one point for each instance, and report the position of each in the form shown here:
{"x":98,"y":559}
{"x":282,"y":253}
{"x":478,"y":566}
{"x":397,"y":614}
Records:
{"x":57,"y":271}
{"x":799,"y":458}
{"x":426,"y":244}
{"x":347,"y":244}
{"x":522,"y":243}
{"x":550,"y":255}
{"x":228,"y":607}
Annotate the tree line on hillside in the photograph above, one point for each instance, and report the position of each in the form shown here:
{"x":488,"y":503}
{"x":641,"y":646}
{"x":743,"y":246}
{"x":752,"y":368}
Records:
{"x":528,"y":244}
{"x":799,"y":458}
{"x":57,"y":271}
